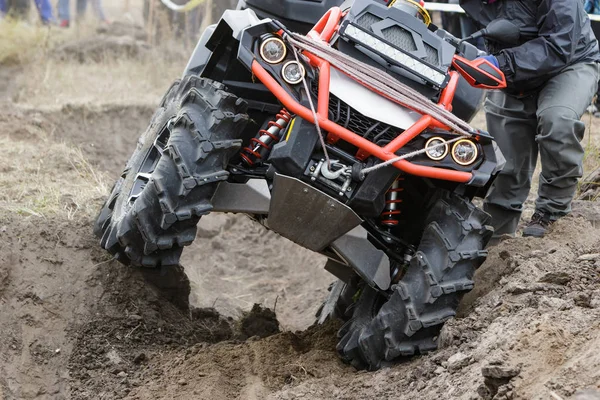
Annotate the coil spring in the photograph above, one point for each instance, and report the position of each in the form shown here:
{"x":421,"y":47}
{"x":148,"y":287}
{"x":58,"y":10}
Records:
{"x":393,"y":200}
{"x":261,"y":145}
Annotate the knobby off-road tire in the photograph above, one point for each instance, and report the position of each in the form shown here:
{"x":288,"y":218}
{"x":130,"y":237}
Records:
{"x":382,"y":329}
{"x":170,"y":179}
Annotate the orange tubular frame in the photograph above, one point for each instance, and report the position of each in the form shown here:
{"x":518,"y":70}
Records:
{"x":324,"y":30}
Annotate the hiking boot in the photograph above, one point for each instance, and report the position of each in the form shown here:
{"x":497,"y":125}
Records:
{"x":538,"y":225}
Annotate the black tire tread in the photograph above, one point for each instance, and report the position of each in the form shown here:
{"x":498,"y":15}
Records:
{"x":204,"y":122}
{"x":451,"y":248}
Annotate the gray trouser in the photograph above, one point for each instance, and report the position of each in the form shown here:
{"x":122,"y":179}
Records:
{"x":547,"y":123}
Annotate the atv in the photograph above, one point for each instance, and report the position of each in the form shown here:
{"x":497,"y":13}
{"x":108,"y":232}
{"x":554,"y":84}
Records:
{"x":352,"y":141}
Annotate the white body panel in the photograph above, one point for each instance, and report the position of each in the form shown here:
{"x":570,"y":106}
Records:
{"x":370,"y":103}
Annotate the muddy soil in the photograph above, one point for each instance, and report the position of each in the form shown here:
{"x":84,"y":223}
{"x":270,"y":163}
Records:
{"x":76,"y":325}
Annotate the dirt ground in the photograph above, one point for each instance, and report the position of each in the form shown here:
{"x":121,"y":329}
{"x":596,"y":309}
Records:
{"x":76,"y":325}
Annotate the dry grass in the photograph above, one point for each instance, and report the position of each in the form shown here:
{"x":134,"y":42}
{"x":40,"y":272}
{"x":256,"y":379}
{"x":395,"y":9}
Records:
{"x":39,"y":176}
{"x":48,"y":179}
{"x":591,"y":144}
{"x":55,"y":77}
{"x":21,"y":42}
{"x":114,"y":81}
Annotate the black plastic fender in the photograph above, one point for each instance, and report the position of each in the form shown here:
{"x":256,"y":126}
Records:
{"x":230,"y":26}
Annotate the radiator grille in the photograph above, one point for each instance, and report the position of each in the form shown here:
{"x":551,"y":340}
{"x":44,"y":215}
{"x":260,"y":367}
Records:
{"x":342,"y":114}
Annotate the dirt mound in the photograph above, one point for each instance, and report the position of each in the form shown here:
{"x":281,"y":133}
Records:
{"x":246,"y":370}
{"x":133,"y":321}
{"x":259,"y":322}
{"x":119,"y":41}
{"x":119,"y":28}
{"x":529,"y":331}
{"x":105,"y":134}
{"x":100,"y":48}
{"x":235,"y":262}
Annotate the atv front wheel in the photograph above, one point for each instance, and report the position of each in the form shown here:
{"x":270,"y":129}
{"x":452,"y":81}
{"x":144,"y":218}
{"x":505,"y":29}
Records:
{"x":169,"y":181}
{"x":408,"y":319}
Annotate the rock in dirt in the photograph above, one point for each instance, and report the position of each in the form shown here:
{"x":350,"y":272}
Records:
{"x":583,"y":300}
{"x":590,"y":186}
{"x":588,"y":210}
{"x":496,"y":382}
{"x":261,"y":322}
{"x":140,"y":358}
{"x":519,"y":288}
{"x":587,"y":394}
{"x":589,"y":257}
{"x":500,"y":372}
{"x":458,"y":361}
{"x":558,"y":278}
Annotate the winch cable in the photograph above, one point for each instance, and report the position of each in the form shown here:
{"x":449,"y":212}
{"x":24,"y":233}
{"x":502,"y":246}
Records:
{"x":375,"y":167}
{"x":385,"y":84}
{"x":314,"y":112}
{"x":381,"y":82}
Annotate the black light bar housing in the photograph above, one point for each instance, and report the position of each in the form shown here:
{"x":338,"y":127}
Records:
{"x":404,"y":33}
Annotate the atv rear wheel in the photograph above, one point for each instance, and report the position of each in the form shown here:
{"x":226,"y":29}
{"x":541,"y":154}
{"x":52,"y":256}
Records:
{"x":407,"y":319}
{"x":170,"y":179}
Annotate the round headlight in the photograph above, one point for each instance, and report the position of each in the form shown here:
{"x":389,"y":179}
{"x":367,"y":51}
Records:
{"x":464,"y":152}
{"x":293,"y":73}
{"x":273,"y":50}
{"x":437,"y":148}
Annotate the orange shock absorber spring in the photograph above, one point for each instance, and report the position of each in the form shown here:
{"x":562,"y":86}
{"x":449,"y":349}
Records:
{"x":260,"y":146}
{"x":393,"y":201}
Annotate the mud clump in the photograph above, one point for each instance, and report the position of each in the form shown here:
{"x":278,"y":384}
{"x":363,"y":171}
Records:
{"x":142,"y":313}
{"x":496,"y":382}
{"x":260,"y":322}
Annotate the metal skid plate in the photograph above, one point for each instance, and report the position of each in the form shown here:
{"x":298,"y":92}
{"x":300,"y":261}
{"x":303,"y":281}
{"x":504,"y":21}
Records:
{"x":306,"y":215}
{"x":252,"y":197}
{"x":372,"y":264}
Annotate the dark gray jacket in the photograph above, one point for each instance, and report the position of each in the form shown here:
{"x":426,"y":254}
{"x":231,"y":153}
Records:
{"x":554,"y":35}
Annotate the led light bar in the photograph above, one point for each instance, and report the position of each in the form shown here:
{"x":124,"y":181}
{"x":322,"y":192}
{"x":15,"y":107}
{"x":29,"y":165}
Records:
{"x":404,"y":60}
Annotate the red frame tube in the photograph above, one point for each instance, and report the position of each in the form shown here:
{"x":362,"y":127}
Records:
{"x":324,"y":30}
{"x":342,"y":133}
{"x":327,"y":25}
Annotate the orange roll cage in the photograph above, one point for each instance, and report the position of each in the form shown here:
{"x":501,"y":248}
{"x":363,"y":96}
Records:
{"x":324,"y":30}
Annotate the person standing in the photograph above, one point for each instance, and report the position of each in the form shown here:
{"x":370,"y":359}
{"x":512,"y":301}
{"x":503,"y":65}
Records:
{"x":43,"y":6}
{"x":552,"y":76}
{"x":64,"y":11}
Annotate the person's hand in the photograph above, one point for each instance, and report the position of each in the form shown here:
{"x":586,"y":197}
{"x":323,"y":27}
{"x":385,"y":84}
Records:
{"x":491,"y":59}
